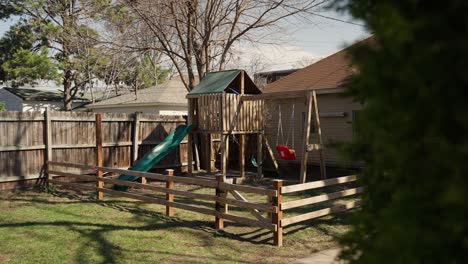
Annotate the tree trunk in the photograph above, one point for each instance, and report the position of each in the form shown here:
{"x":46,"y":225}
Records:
{"x":67,"y":93}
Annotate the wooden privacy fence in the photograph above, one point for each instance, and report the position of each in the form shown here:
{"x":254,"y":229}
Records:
{"x":28,"y":139}
{"x":274,"y":208}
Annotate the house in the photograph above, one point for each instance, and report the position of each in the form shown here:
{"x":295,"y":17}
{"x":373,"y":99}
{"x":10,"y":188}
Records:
{"x":30,"y":100}
{"x":261,"y":79}
{"x":328,"y":77}
{"x":165,"y":99}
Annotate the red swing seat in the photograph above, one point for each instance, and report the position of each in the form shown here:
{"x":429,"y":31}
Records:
{"x":285,"y":153}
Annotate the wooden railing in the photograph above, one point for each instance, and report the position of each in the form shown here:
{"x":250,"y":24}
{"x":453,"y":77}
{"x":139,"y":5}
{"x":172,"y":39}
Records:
{"x":228,"y":112}
{"x":274,"y":208}
{"x":220,"y":196}
{"x":319,"y":199}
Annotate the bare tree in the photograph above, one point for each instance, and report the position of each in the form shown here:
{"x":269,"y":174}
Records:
{"x":198,"y":35}
{"x":306,"y":61}
{"x":132,"y":57}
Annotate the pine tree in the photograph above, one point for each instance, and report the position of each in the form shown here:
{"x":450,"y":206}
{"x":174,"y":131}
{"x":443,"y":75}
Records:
{"x":412,"y":133}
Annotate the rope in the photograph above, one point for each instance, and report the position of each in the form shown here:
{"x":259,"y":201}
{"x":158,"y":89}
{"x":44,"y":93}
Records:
{"x":291,"y":127}
{"x":280,"y":127}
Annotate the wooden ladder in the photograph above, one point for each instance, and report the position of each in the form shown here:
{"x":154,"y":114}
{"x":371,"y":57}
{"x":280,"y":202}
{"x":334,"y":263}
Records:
{"x":312,"y":110}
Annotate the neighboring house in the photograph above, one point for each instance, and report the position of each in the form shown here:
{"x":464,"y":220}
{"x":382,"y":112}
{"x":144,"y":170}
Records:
{"x":40,"y":84}
{"x":30,"y":100}
{"x":165,"y":99}
{"x":262,"y":79}
{"x":328,"y":77}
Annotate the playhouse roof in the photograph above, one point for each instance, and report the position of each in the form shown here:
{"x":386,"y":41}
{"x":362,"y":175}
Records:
{"x":221,"y":81}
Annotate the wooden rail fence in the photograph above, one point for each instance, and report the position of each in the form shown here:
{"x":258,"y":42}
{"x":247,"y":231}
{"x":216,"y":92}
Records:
{"x":219,"y":197}
{"x":318,"y":199}
{"x":274,"y":207}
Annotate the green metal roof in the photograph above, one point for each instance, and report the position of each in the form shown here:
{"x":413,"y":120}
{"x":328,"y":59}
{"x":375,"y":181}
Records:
{"x":215,"y":82}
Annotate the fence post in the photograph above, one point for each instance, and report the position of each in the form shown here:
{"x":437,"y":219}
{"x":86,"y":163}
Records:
{"x":219,"y":220}
{"x":169,"y":196}
{"x":48,"y":140}
{"x":135,"y":136}
{"x":259,"y":155}
{"x":276,"y":217}
{"x":99,"y":182}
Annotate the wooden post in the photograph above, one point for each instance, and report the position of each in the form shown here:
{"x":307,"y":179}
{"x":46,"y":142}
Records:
{"x":242,"y":155}
{"x":136,"y":137}
{"x":224,"y":154}
{"x":219,"y":221}
{"x":169,"y":197}
{"x":242,"y":89}
{"x":136,"y":141}
{"x":48,"y":140}
{"x":318,"y":136}
{"x":208,"y":152}
{"x":260,"y":155}
{"x":277,"y":217}
{"x":190,"y":139}
{"x":270,"y":152}
{"x":197,"y":156}
{"x":305,"y":154}
{"x":99,"y":182}
{"x":143,"y":180}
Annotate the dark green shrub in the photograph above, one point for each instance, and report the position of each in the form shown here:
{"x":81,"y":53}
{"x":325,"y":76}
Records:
{"x":412,"y":133}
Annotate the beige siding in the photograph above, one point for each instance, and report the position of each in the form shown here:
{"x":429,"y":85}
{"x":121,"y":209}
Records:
{"x":41,"y":106}
{"x":334,"y":129}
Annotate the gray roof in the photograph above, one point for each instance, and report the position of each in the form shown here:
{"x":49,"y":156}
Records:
{"x":41,"y":95}
{"x":172,"y":92}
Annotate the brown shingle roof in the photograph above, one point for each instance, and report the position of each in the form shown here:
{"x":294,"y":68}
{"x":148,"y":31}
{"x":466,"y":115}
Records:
{"x":329,"y":72}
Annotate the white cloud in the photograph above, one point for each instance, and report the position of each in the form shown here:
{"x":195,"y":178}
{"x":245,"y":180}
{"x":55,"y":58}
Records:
{"x":269,"y":57}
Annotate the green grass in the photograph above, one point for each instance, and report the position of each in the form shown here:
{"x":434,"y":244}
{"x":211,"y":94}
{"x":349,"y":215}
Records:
{"x":60,"y":228}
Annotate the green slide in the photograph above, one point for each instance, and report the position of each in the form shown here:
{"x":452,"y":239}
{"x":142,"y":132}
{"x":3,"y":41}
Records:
{"x":156,"y":154}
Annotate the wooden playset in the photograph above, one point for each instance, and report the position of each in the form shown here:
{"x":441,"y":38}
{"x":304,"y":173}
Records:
{"x":229,"y":103}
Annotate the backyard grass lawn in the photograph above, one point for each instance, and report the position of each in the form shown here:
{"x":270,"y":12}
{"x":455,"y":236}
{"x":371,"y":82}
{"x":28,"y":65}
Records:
{"x":39,"y":227}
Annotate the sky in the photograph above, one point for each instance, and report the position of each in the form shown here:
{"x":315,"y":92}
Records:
{"x":306,"y":43}
{"x":301,"y":44}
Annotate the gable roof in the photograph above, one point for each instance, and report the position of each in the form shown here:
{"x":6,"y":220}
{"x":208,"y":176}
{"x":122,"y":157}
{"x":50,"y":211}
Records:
{"x":220,"y":81}
{"x":171,"y":92}
{"x":328,"y":73}
{"x":41,"y":95}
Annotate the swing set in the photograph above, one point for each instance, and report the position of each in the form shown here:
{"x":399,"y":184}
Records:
{"x":284,"y":152}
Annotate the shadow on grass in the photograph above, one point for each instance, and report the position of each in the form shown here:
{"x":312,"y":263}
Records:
{"x":153,"y":221}
{"x":96,"y":233}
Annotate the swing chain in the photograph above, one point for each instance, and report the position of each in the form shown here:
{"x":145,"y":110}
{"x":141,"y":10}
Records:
{"x":291,"y":132}
{"x":291,"y":127}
